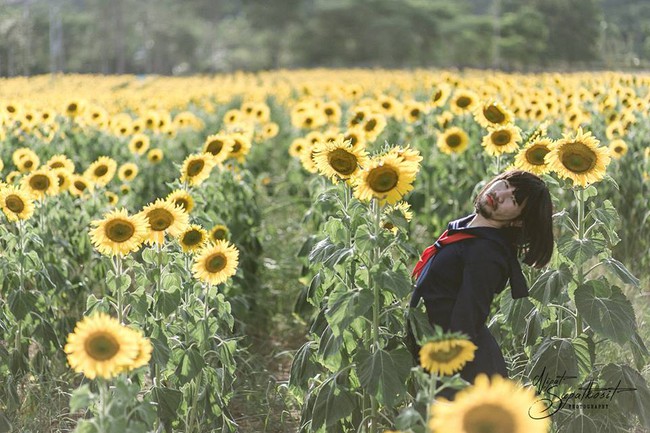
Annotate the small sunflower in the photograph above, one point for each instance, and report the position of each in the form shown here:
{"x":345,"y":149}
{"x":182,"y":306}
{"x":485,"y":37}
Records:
{"x":532,"y":157}
{"x":118,"y":232}
{"x":240,"y":148}
{"x":101,"y":171}
{"x":386,"y":178}
{"x":112,"y":197}
{"x":579,"y":158}
{"x":181,"y":198}
{"x":269,"y":130}
{"x":17,"y":204}
{"x":463,"y":101}
{"x":332,"y":111}
{"x":193,"y":238}
{"x":139,"y":144}
{"x":64,"y":178}
{"x":373,"y":126}
{"x":216,"y":263}
{"x":41,"y":183}
{"x":219,"y":146}
{"x":412,"y":111}
{"x":101,"y":347}
{"x":155,"y":156}
{"x":60,"y":161}
{"x":339,"y":159}
{"x":439,"y":95}
{"x":145,"y":349}
{"x":164,"y":217}
{"x":493,"y":113}
{"x":297,"y":146}
{"x":219,"y":233}
{"x":80,"y":186}
{"x":618,"y":148}
{"x":127,"y":172}
{"x":446,"y":357}
{"x":196,"y":168}
{"x":499,"y":405}
{"x":25,"y":160}
{"x":307,"y":158}
{"x":502,"y":139}
{"x":453,"y":140}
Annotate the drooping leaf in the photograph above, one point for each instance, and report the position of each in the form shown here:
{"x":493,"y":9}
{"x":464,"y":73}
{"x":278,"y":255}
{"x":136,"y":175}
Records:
{"x":344,"y":306}
{"x":333,"y":402}
{"x":554,"y":357}
{"x":303,"y":366}
{"x":633,"y":393}
{"x":550,"y":285}
{"x":383,"y":374}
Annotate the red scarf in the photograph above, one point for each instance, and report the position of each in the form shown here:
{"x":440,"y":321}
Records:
{"x":432,"y":250}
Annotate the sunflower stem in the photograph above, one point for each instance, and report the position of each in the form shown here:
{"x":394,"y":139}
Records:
{"x":377,"y":208}
{"x":581,"y":234}
{"x":120,"y":294}
{"x":431,"y":394}
{"x":21,"y":243}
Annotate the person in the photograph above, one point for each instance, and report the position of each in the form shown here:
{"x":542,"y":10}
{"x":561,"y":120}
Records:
{"x":512,"y":220}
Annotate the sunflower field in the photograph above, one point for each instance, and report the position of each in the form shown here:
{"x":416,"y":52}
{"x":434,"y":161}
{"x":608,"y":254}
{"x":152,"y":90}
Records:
{"x":233,"y":253}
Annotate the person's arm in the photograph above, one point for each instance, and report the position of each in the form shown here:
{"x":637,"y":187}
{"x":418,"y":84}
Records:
{"x":484,"y":274}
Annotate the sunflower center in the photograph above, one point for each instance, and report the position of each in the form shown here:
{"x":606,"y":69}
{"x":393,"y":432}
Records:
{"x":72,"y":107}
{"x":101,"y":346}
{"x":119,"y":230}
{"x":39,"y":182}
{"x":192,"y":237}
{"x":139,"y":144}
{"x":236,"y":147}
{"x":56,"y":164}
{"x":80,"y":185}
{"x":488,"y":418}
{"x":343,"y":162}
{"x":463,"y":102}
{"x":101,"y":170}
{"x":578,"y":158}
{"x":453,"y":140}
{"x":182,"y":203}
{"x":216,"y":263}
{"x":370,"y":126}
{"x":219,"y":234}
{"x":128,"y":172}
{"x":329,"y":112}
{"x":14,"y":203}
{"x":536,"y":154}
{"x":386,"y":105}
{"x":493,"y":114}
{"x":415,"y":112}
{"x":215,"y":147}
{"x":501,"y":138}
{"x":444,"y":356}
{"x":383,"y":179}
{"x":160,"y":219}
{"x":618,"y":149}
{"x":28,"y":164}
{"x":437,"y":95}
{"x":195,"y":167}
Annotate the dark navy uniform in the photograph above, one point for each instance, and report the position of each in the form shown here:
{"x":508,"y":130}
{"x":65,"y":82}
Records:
{"x":459,"y":283}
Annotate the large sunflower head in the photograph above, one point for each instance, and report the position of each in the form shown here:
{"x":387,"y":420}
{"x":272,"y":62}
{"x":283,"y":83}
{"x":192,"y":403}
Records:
{"x":182,"y":198}
{"x":446,"y":356}
{"x":101,"y":347}
{"x":579,"y":158}
{"x":127,"y":172}
{"x":502,"y":139}
{"x":164,"y":217}
{"x":219,"y":146}
{"x":139,"y":144}
{"x":532,"y":157}
{"x":387,"y":178}
{"x":216,"y":263}
{"x":101,"y":171}
{"x":339,"y":159}
{"x":119,"y":233}
{"x":41,"y":183}
{"x":500,"y":405}
{"x":17,"y":204}
{"x":196,"y":168}
{"x":453,"y":140}
{"x":492,"y":113}
{"x":193,"y":238}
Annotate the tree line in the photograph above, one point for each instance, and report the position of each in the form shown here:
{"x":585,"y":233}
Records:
{"x":207,"y":36}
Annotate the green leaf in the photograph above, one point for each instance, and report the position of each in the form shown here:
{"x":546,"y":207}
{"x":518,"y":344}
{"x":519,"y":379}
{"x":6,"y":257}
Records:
{"x":516,"y":312}
{"x":621,"y":271}
{"x":549,"y":286}
{"x":639,"y":351}
{"x":80,"y":398}
{"x":635,"y":401}
{"x":344,"y":306}
{"x":168,"y":302}
{"x":396,"y":281}
{"x":420,"y":325}
{"x":303,"y":366}
{"x":364,"y":240}
{"x":21,"y":303}
{"x":577,"y":250}
{"x":336,"y":231}
{"x":190,"y":364}
{"x":161,"y":352}
{"x":168,"y":400}
{"x":150,"y":256}
{"x":606,"y":309}
{"x":384,"y":374}
{"x":408,"y":419}
{"x":533,"y":327}
{"x":554,"y":357}
{"x":585,"y":349}
{"x":332,"y":403}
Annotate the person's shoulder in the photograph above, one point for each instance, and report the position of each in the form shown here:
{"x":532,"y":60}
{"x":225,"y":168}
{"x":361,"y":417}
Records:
{"x":484,"y":250}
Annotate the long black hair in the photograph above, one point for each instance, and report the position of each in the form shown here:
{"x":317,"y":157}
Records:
{"x":534,"y":239}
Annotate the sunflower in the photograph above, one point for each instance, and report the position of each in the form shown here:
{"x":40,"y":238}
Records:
{"x":332,"y":111}
{"x":444,"y":119}
{"x":240,"y":148}
{"x":64,"y":178}
{"x":119,"y":232}
{"x":270,"y":130}
{"x":127,"y":172}
{"x":144,"y":350}
{"x":339,"y":159}
{"x":219,"y":233}
{"x":532,"y":157}
{"x":155,"y":156}
{"x":164,"y":217}
{"x":101,"y":171}
{"x":101,"y":346}
{"x":60,"y":161}
{"x":219,"y":146}
{"x":125,"y":189}
{"x":493,"y":113}
{"x":139,"y":144}
{"x":358,"y":116}
{"x":579,"y":158}
{"x":386,"y":178}
{"x":463,"y":101}
{"x":182,"y":198}
{"x":413,"y":111}
{"x":17,"y":204}
{"x":618,"y":148}
{"x":307,"y":158}
{"x":41,"y":183}
{"x":216,"y":263}
{"x":297,"y":146}
{"x":112,"y":197}
{"x":373,"y":126}
{"x":500,"y":405}
{"x":446,"y":357}
{"x":193,"y":238}
{"x":79,"y":185}
{"x":25,"y":159}
{"x":232,"y":116}
{"x":355,"y":136}
{"x":453,"y":140}
{"x":501,"y":139}
{"x":389,"y":106}
{"x":439,"y":95}
{"x":196,"y":168}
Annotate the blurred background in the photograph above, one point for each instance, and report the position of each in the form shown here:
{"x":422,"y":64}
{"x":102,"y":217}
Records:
{"x":205,"y":36}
